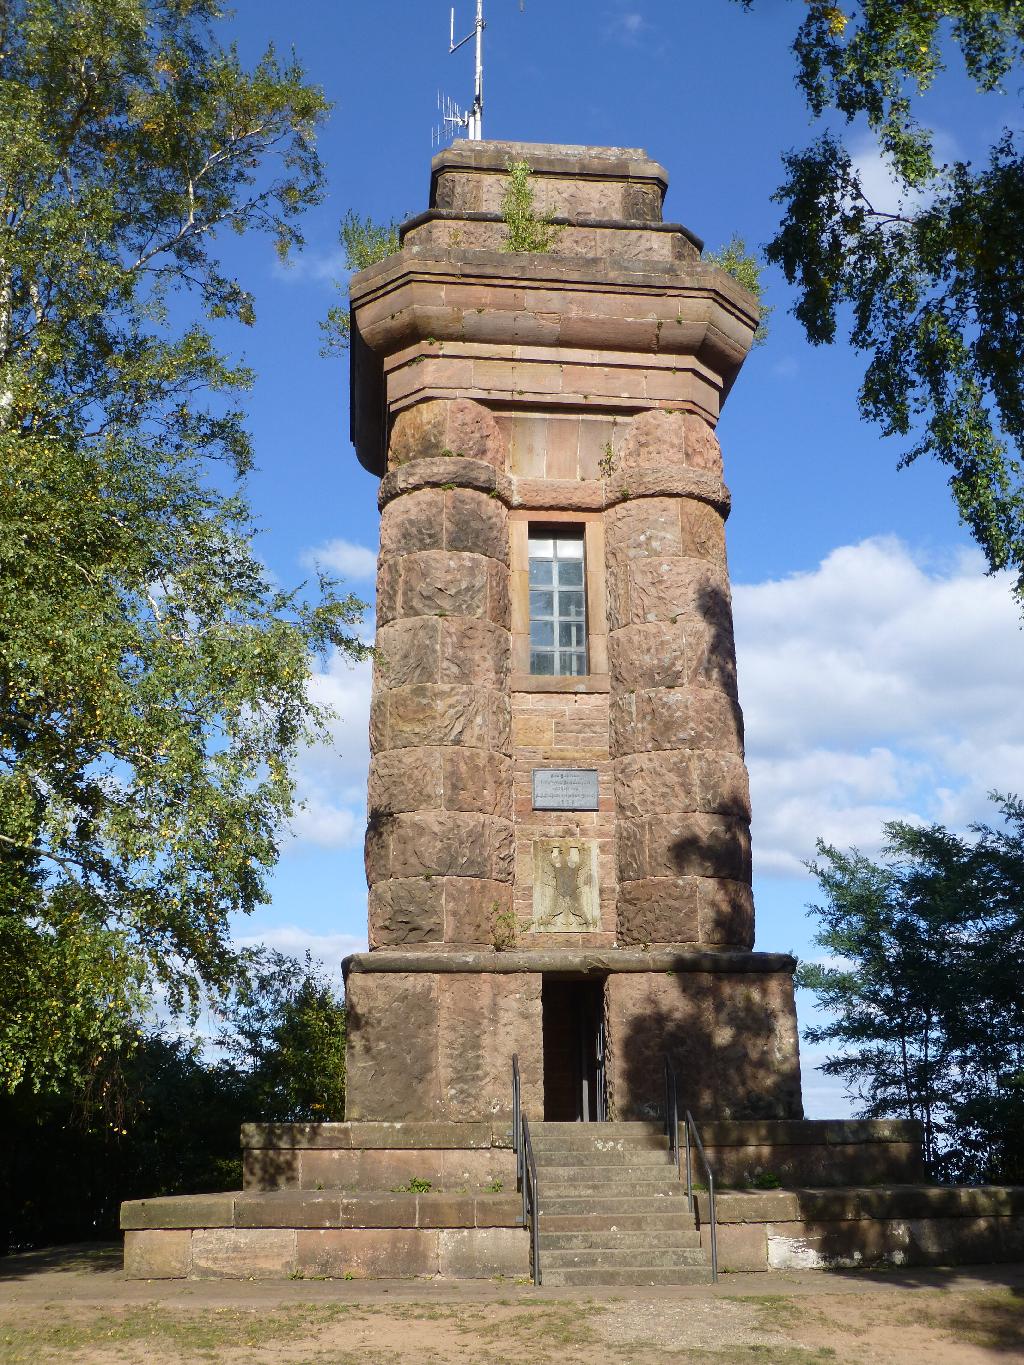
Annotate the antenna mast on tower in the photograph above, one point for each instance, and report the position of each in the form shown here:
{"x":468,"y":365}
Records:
{"x":452,"y":117}
{"x":474,"y":120}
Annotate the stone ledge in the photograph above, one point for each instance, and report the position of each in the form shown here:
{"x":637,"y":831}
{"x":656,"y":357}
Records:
{"x":854,"y":1204}
{"x":598,"y":962}
{"x":380,"y":1136}
{"x":806,"y":1132}
{"x":326,"y":1253}
{"x":321,"y":1209}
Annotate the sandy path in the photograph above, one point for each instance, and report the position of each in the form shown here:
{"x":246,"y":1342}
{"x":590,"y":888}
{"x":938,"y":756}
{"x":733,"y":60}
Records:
{"x":73,"y":1304}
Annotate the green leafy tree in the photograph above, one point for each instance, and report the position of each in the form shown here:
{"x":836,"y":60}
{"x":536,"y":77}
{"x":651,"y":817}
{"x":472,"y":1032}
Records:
{"x":283,"y":1026}
{"x":929,"y":284}
{"x":924,"y":986}
{"x":153,"y":679}
{"x":364,"y":242}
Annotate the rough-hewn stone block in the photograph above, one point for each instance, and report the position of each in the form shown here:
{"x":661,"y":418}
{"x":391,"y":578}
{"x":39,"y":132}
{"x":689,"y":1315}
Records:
{"x":157,"y":1254}
{"x":179,"y":1211}
{"x":648,"y":654}
{"x":409,"y":651}
{"x":657,"y":910}
{"x":471,"y":909}
{"x":407,"y":779}
{"x":243,"y":1253}
{"x":413,"y":522}
{"x":368,"y":1253}
{"x":427,"y":715}
{"x":475,"y":523}
{"x":385,"y":1077}
{"x":482,"y":1253}
{"x":674,"y":718}
{"x":473,"y":651}
{"x":443,"y":583}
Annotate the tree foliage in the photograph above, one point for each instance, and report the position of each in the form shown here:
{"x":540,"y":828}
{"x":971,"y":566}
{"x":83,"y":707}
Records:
{"x":525,"y":228}
{"x":743,"y":266}
{"x":152,"y":676}
{"x":163,"y":1116}
{"x":924,"y":979}
{"x":929,"y":284}
{"x":364,"y":242}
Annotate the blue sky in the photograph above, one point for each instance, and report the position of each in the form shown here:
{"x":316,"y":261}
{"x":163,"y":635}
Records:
{"x":880,"y":669}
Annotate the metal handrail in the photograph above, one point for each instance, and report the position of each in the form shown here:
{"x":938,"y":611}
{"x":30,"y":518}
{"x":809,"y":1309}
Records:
{"x":672,"y":1114}
{"x":530,"y":1168}
{"x":689,"y":1129}
{"x":526,"y":1166}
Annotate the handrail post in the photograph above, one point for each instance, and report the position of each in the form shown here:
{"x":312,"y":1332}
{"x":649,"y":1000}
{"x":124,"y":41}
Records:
{"x":689,"y":1163}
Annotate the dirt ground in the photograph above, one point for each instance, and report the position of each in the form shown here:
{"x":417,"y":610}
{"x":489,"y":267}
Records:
{"x":73,"y":1304}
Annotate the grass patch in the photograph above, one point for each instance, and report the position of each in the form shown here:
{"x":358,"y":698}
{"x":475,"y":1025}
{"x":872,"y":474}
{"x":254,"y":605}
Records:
{"x":204,"y":1335}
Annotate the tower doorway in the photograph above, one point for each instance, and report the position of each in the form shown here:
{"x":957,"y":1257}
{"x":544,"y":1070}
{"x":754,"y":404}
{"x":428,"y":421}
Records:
{"x":573,"y":1025}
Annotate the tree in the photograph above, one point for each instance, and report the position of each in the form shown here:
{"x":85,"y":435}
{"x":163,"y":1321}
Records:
{"x":924,"y":981}
{"x":153,"y":679}
{"x":161,"y":1114}
{"x":283,"y":1026}
{"x":364,"y":242}
{"x":928,"y":284}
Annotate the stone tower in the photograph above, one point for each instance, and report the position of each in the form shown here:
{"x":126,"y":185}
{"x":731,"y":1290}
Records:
{"x":558,"y":849}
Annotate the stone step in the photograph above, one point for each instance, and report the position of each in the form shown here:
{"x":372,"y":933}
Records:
{"x":624,"y":1259}
{"x":595,"y":1137}
{"x":604,"y":1223}
{"x":603,"y":1156}
{"x":594,"y":1240}
{"x":606,"y":1175}
{"x":563,"y":1275}
{"x":595,"y":1189}
{"x":627,"y":1206}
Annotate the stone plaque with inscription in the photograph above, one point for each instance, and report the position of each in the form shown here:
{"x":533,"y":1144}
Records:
{"x":565,"y":789}
{"x":565,"y":891}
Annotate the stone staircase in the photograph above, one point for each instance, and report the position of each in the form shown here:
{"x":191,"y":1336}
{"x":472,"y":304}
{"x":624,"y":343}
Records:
{"x":612,"y":1209}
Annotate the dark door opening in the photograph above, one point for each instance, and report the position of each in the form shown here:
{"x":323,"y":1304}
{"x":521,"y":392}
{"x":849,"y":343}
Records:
{"x":573,"y":1021}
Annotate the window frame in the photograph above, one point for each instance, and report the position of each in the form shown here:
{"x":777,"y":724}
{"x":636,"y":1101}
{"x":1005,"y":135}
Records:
{"x":524,"y":523}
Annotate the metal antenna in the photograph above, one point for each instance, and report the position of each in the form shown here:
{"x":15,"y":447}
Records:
{"x":474,"y":120}
{"x":452,"y":118}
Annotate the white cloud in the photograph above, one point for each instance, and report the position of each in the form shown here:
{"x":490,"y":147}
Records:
{"x":877,"y":687}
{"x":291,"y":939}
{"x":884,"y":192}
{"x":343,"y":557}
{"x":627,"y":27}
{"x":311,"y":265}
{"x":331,"y":778}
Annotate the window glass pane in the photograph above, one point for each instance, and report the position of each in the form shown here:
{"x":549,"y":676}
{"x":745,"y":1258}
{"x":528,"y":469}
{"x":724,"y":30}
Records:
{"x":569,"y":603}
{"x":558,"y":604}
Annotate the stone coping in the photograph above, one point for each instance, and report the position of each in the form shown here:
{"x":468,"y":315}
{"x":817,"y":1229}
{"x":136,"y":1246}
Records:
{"x":611,"y":275}
{"x":552,"y":158}
{"x":378,"y":1136}
{"x":323,"y":1209}
{"x":850,"y":1203}
{"x":576,"y":962}
{"x":582,"y":220}
{"x":806,"y":1132}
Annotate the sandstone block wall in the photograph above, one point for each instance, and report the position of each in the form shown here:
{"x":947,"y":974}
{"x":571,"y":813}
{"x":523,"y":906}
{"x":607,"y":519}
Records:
{"x":681,"y":789}
{"x":439,"y":1046}
{"x":439,"y":848}
{"x":732,"y":1039}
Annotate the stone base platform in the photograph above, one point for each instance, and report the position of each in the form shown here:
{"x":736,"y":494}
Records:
{"x":289,"y":1233}
{"x":896,"y":1225}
